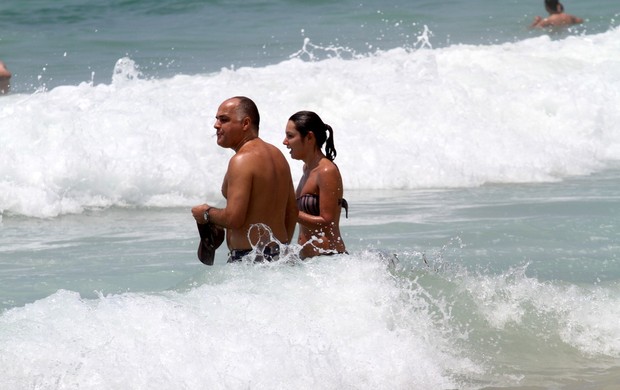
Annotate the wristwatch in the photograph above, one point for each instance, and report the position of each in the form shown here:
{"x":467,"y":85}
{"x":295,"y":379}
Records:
{"x":206,"y":215}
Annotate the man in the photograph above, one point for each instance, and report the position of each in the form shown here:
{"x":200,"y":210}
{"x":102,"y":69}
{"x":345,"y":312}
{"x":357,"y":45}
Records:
{"x":258,"y":186}
{"x":557,"y":17}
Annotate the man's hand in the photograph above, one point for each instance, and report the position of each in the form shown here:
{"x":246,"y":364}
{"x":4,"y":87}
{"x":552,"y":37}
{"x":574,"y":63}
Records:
{"x":199,"y":213}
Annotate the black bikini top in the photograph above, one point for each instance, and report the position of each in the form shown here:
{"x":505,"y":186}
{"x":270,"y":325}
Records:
{"x":309,"y":203}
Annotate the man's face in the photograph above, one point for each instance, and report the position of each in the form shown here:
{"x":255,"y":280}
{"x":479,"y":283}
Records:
{"x":229,"y":127}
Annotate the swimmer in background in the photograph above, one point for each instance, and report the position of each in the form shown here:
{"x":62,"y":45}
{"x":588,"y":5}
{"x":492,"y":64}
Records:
{"x":557,"y":17}
{"x":5,"y":78}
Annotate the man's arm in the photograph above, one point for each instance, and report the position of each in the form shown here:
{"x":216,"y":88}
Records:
{"x":238,"y":193}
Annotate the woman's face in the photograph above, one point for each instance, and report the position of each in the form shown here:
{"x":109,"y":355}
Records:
{"x":294,"y":141}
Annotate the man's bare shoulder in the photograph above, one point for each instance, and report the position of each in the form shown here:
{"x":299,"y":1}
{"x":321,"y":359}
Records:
{"x":251,"y":150}
{"x":256,"y":154}
{"x":242,"y":161}
{"x":263,"y":149}
{"x":275,"y":151}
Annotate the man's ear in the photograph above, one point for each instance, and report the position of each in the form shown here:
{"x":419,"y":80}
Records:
{"x":246,"y":122}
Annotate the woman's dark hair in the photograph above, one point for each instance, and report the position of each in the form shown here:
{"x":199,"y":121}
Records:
{"x":554,"y":6}
{"x":308,"y":121}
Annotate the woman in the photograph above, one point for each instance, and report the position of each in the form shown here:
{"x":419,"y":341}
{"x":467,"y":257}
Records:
{"x":319,"y":193}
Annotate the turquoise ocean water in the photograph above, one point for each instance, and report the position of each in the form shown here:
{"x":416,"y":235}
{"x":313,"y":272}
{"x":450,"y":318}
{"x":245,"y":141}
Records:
{"x":481,"y":161}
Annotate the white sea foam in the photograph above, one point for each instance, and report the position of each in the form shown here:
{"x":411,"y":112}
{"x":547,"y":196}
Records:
{"x":584,"y":318}
{"x":532,"y":111}
{"x":332,"y":323}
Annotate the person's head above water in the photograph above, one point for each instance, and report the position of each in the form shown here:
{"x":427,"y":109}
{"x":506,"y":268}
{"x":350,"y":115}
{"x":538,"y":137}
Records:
{"x":308,"y":121}
{"x":554,"y":6}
